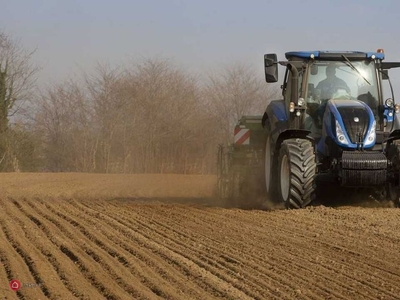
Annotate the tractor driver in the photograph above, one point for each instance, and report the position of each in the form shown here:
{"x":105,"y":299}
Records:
{"x":331,"y":83}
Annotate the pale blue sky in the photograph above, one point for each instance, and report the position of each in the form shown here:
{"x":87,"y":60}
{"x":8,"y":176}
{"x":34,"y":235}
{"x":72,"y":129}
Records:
{"x":198,"y":35}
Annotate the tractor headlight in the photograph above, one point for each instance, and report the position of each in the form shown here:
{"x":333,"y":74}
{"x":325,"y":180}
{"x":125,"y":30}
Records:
{"x":371,"y":135}
{"x":301,"y":102}
{"x":389,"y":103}
{"x":291,"y":106}
{"x":340,"y":134}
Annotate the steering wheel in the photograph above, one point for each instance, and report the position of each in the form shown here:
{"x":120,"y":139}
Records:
{"x":341,"y":93}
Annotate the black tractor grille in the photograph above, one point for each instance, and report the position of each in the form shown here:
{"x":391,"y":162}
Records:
{"x":355,"y":120}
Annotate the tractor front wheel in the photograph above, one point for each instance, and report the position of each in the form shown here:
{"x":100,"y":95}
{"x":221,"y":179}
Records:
{"x":296,"y":172}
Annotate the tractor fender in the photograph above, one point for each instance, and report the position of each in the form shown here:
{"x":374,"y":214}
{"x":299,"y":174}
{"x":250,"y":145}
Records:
{"x":292,"y":134}
{"x":275,"y":122}
{"x":275,"y":112}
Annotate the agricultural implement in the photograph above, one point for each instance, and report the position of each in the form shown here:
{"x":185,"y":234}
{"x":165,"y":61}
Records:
{"x":334,"y":126}
{"x":241,"y":164}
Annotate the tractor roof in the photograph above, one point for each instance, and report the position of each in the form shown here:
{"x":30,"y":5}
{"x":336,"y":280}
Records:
{"x":352,"y":55}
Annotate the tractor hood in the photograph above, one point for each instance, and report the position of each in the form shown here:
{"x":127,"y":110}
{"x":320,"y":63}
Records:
{"x":350,"y":123}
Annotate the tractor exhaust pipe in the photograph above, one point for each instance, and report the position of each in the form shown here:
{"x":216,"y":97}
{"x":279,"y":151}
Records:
{"x":296,"y":122}
{"x":295,"y":82}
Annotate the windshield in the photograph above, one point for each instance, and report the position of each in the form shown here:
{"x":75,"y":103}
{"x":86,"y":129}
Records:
{"x":343,"y":80}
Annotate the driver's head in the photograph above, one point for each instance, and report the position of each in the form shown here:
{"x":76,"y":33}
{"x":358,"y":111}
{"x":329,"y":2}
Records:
{"x":330,"y":71}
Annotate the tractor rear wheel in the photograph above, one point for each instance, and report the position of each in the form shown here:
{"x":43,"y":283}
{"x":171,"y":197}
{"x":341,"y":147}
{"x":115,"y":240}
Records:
{"x":296,"y":173}
{"x":392,"y":187}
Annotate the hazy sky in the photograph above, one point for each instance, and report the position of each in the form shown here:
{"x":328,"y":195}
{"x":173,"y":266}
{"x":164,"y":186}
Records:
{"x":198,"y":35}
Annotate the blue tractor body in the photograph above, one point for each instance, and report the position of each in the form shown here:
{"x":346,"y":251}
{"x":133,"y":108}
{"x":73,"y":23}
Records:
{"x":344,"y":134}
{"x":335,"y":124}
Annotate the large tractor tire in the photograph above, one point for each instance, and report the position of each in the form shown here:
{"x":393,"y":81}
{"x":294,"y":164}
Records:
{"x":392,"y":187}
{"x":296,"y":173}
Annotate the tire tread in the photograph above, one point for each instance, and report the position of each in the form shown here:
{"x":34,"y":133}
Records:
{"x":303,"y":165}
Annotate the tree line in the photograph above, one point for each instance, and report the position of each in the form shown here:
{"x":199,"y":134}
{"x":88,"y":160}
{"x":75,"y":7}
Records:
{"x":151,"y":116}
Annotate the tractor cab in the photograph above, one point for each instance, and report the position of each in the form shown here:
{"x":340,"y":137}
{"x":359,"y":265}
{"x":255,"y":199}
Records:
{"x":333,"y":125}
{"x":333,"y":120}
{"x":350,"y":82}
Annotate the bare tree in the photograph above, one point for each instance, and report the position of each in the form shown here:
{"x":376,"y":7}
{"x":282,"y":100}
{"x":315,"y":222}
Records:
{"x":104,"y":86}
{"x":152,"y":117}
{"x":64,"y":121}
{"x":235,"y":91}
{"x":167,"y":106}
{"x":17,"y":78}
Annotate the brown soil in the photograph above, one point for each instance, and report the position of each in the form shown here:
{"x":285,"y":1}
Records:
{"x":85,"y":236}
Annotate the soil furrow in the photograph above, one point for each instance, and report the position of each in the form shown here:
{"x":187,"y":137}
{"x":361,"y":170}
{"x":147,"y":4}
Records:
{"x":54,"y":287}
{"x":231,"y":255}
{"x":293,"y":268}
{"x":154,"y":281}
{"x":170,"y":294}
{"x":182,"y":265}
{"x":221,"y":264}
{"x":225,"y":266}
{"x":186,"y":248}
{"x":120,"y":277}
{"x":34,"y":277}
{"x":357,"y":264}
{"x":293,"y":243}
{"x":81,"y":260}
{"x":66,"y":270}
{"x":291,"y":258}
{"x":7,"y":274}
{"x":201,"y":258}
{"x":296,"y":242}
{"x":192,"y":262}
{"x":221,"y":259}
{"x":352,"y":243}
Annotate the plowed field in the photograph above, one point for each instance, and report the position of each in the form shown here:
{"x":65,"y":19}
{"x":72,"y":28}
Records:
{"x":82,"y":236}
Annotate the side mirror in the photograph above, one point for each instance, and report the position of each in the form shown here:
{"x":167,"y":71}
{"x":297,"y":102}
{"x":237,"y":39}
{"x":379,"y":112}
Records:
{"x":271,"y":67}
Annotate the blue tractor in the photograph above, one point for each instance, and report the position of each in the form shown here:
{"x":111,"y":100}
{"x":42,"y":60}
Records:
{"x":333,"y":126}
